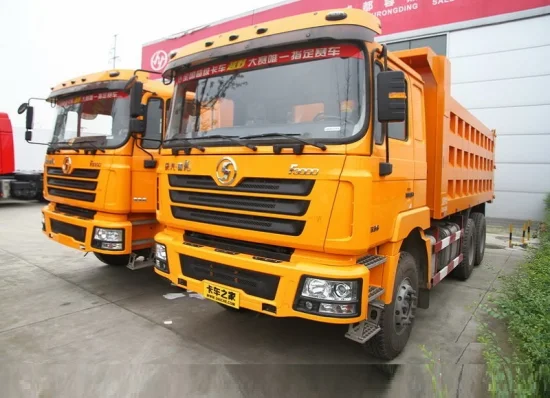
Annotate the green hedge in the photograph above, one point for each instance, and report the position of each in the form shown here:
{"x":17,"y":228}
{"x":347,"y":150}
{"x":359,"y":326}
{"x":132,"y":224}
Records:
{"x":523,"y":304}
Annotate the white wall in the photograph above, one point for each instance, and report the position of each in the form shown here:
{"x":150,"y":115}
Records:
{"x":501,"y":73}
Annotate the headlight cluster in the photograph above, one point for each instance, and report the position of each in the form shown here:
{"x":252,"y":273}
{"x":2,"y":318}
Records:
{"x":161,"y":258}
{"x":329,"y":297}
{"x":108,"y":239}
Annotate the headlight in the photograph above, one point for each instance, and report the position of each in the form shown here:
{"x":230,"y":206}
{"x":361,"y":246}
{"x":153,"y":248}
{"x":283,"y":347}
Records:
{"x":108,"y":235}
{"x":160,"y":251}
{"x":161,"y":259}
{"x":330,"y":290}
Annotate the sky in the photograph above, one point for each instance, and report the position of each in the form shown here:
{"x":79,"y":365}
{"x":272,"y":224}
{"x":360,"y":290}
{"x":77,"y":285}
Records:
{"x":43,"y":43}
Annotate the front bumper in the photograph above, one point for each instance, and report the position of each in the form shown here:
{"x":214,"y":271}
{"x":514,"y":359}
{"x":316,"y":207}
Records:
{"x":289,"y":274}
{"x":77,"y":232}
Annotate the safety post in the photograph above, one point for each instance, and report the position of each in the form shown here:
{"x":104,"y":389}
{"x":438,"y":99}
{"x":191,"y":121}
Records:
{"x":528,"y":230}
{"x":510,"y":238}
{"x":523,"y":233}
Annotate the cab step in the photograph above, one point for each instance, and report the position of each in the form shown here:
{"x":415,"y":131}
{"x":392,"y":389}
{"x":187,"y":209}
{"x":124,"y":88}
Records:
{"x":375,"y":292}
{"x":146,"y":262}
{"x":363,"y":331}
{"x":370,"y":261}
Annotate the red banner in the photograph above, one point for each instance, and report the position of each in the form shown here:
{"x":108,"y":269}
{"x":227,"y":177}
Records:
{"x":276,"y":58}
{"x":93,"y":97}
{"x":395,"y":15}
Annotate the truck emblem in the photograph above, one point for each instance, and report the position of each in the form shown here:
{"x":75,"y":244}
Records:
{"x":185,"y":166}
{"x":226,"y":171}
{"x":67,"y":165}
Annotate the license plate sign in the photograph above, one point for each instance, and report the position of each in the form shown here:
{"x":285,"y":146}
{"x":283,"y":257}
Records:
{"x":221,"y":294}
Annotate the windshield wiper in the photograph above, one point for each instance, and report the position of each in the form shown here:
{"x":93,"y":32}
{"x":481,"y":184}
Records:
{"x":90,"y":143}
{"x":291,"y":136}
{"x":186,"y":149}
{"x":232,"y":138}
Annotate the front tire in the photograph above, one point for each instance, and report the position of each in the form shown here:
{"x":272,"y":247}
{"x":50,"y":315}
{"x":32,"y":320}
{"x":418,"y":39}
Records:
{"x":113,"y":259}
{"x":481,"y":236}
{"x":464,"y":270}
{"x":397,"y":318}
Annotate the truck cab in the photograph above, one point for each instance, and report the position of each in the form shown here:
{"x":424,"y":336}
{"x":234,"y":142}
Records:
{"x":99,"y":171}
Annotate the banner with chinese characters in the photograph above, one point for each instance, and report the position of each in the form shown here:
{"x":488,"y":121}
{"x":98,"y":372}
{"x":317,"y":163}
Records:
{"x":395,"y":15}
{"x":276,"y":58}
{"x":92,"y":97}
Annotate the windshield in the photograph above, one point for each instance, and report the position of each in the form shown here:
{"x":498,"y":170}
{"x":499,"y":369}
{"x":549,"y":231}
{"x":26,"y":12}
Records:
{"x":315,"y":93}
{"x":104,"y":117}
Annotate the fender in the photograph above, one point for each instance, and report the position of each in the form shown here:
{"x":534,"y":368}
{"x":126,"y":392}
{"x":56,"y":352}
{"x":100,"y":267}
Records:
{"x":409,"y":220}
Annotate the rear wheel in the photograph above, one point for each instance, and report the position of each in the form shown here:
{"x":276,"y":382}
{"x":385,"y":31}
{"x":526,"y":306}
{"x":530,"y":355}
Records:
{"x":481,"y":232}
{"x":113,"y":259}
{"x":464,"y":270}
{"x":397,"y":318}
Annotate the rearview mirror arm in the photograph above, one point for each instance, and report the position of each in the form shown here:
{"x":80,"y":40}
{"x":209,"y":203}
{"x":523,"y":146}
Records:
{"x":385,"y":168}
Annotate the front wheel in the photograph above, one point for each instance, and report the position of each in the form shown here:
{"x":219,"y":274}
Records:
{"x":397,"y":318}
{"x":113,"y":259}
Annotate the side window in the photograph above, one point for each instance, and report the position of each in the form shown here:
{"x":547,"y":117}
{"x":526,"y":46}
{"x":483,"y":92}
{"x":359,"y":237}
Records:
{"x":154,"y":128}
{"x":168,"y":110}
{"x":397,"y":131}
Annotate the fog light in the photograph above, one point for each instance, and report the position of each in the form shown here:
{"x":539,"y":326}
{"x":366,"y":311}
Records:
{"x":109,"y":235}
{"x":309,"y":305}
{"x":111,"y":246}
{"x":338,"y":309}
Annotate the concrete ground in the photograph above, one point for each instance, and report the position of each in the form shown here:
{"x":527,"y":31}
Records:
{"x":71,"y":326}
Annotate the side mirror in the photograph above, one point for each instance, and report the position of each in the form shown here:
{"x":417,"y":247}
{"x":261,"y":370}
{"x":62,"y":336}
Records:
{"x":136,"y":92}
{"x":30,"y":117}
{"x":392,"y":96}
{"x":22,"y":108}
{"x":28,"y":135}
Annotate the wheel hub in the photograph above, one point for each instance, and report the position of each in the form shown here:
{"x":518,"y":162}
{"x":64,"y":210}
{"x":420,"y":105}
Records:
{"x":405,"y":303}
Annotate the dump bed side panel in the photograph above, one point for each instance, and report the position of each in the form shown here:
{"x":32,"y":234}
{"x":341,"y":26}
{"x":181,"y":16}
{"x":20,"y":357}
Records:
{"x":460,"y":149}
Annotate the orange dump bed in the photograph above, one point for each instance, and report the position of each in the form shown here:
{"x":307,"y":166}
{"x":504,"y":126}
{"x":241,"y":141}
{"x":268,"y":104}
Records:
{"x":460,"y":149}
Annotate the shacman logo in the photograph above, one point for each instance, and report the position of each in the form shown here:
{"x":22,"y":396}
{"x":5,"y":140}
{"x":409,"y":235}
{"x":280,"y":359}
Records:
{"x":226,"y":171}
{"x":67,"y":165}
{"x":159,"y":60}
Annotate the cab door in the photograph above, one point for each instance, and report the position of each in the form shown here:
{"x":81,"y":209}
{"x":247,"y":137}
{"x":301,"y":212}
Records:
{"x":144,"y":178}
{"x":394,"y":193}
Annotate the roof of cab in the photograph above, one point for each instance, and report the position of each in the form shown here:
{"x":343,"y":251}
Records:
{"x":277,"y":26}
{"x":114,"y":75}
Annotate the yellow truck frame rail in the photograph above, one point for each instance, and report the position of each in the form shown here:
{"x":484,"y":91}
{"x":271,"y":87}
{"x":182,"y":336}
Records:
{"x":338,"y":226}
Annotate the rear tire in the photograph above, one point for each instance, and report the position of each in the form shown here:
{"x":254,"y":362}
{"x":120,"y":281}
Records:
{"x":113,"y":259}
{"x":464,"y":270}
{"x":397,"y":318}
{"x":481,"y":236}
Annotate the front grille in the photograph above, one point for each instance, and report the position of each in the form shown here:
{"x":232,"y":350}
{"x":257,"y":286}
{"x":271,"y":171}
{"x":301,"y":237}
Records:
{"x":84,"y":185}
{"x":239,"y":246}
{"x":65,"y":185}
{"x":75,"y":211}
{"x":63,"y":193}
{"x":254,"y":283}
{"x":279,"y":186}
{"x":76,"y":173}
{"x":74,"y":231}
{"x":254,"y":223}
{"x":289,"y":207}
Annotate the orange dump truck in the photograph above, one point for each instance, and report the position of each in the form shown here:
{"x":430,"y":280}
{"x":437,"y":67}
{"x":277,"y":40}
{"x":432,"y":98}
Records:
{"x":342,"y":185}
